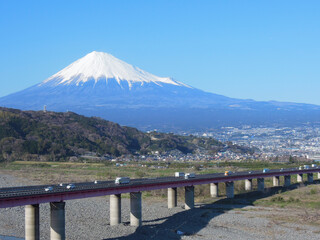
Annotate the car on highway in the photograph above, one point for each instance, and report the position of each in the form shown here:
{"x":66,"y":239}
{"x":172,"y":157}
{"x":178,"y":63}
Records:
{"x":300,"y":168}
{"x":314,"y":165}
{"x":95,"y":182}
{"x":227,"y":173}
{"x":71,"y":186}
{"x":265,"y":170}
{"x":47,"y":189}
{"x":122,"y":180}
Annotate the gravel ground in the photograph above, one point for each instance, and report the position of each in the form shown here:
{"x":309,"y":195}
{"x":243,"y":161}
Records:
{"x":89,"y":219}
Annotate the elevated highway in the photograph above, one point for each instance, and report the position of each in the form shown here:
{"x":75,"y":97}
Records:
{"x":56,"y":195}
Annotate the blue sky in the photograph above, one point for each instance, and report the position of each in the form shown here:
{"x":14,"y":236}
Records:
{"x":263,"y":50}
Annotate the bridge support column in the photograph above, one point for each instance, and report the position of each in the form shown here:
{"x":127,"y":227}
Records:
{"x":318,"y":175}
{"x":214,"y":189}
{"x":248,"y":184}
{"x":276,"y":181}
{"x":299,"y":177}
{"x":310,"y":177}
{"x":230,"y":189}
{"x":32,"y":222}
{"x":172,"y":197}
{"x":135,"y":209}
{"x":57,"y":221}
{"x":287,"y":180}
{"x":260,"y":184}
{"x":115,"y":209}
{"x":189,"y":197}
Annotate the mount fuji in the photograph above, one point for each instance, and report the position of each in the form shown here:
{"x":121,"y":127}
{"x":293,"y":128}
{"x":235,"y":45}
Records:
{"x":101,"y":85}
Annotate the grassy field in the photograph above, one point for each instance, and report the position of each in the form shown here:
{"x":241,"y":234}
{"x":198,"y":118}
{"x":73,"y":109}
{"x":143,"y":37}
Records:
{"x":56,"y":172}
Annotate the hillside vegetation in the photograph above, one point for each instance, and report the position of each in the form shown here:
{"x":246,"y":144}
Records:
{"x":29,"y":135}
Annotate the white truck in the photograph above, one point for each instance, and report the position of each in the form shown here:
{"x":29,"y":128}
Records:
{"x":179,"y":174}
{"x":189,"y":175}
{"x":122,"y":180}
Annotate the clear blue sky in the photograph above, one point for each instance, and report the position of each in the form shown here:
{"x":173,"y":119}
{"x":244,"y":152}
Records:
{"x":263,"y":50}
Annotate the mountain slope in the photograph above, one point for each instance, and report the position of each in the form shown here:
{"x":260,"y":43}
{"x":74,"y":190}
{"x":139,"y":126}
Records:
{"x":58,"y":136}
{"x":101,"y":85}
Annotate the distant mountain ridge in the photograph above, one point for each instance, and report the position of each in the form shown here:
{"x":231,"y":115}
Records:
{"x":101,"y":85}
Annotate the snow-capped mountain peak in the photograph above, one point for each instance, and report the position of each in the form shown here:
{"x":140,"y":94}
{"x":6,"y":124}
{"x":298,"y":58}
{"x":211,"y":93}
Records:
{"x":104,"y":66}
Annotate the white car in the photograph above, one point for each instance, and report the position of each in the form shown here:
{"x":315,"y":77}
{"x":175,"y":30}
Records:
{"x":71,"y":186}
{"x":95,"y":182}
{"x":47,"y":189}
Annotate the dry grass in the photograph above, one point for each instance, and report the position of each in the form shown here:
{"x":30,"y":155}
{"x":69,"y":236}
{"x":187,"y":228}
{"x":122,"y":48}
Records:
{"x":56,"y":172}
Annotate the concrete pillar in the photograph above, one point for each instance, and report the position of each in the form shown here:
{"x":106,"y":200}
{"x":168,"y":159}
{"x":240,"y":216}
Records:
{"x":172,"y":197}
{"x":260,"y":184}
{"x":32,"y":222}
{"x":318,"y":175}
{"x":214,"y":189}
{"x":57,"y":221}
{"x":115,"y":209}
{"x":300,"y":177}
{"x":276,"y":181}
{"x":310,"y":177}
{"x":135,"y":209}
{"x":230,"y":189}
{"x":189,"y":197}
{"x":287,"y":180}
{"x":248,"y":184}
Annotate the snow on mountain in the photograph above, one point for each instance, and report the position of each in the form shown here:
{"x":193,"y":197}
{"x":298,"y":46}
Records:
{"x":104,"y":66}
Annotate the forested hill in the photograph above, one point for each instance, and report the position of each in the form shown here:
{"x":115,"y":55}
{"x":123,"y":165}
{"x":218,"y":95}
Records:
{"x":57,"y":136}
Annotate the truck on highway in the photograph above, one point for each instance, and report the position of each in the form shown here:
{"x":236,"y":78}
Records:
{"x":189,"y":175}
{"x":122,"y":180}
{"x":179,"y":174}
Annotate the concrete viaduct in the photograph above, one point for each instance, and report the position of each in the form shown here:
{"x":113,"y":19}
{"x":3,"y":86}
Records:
{"x":32,"y":196}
